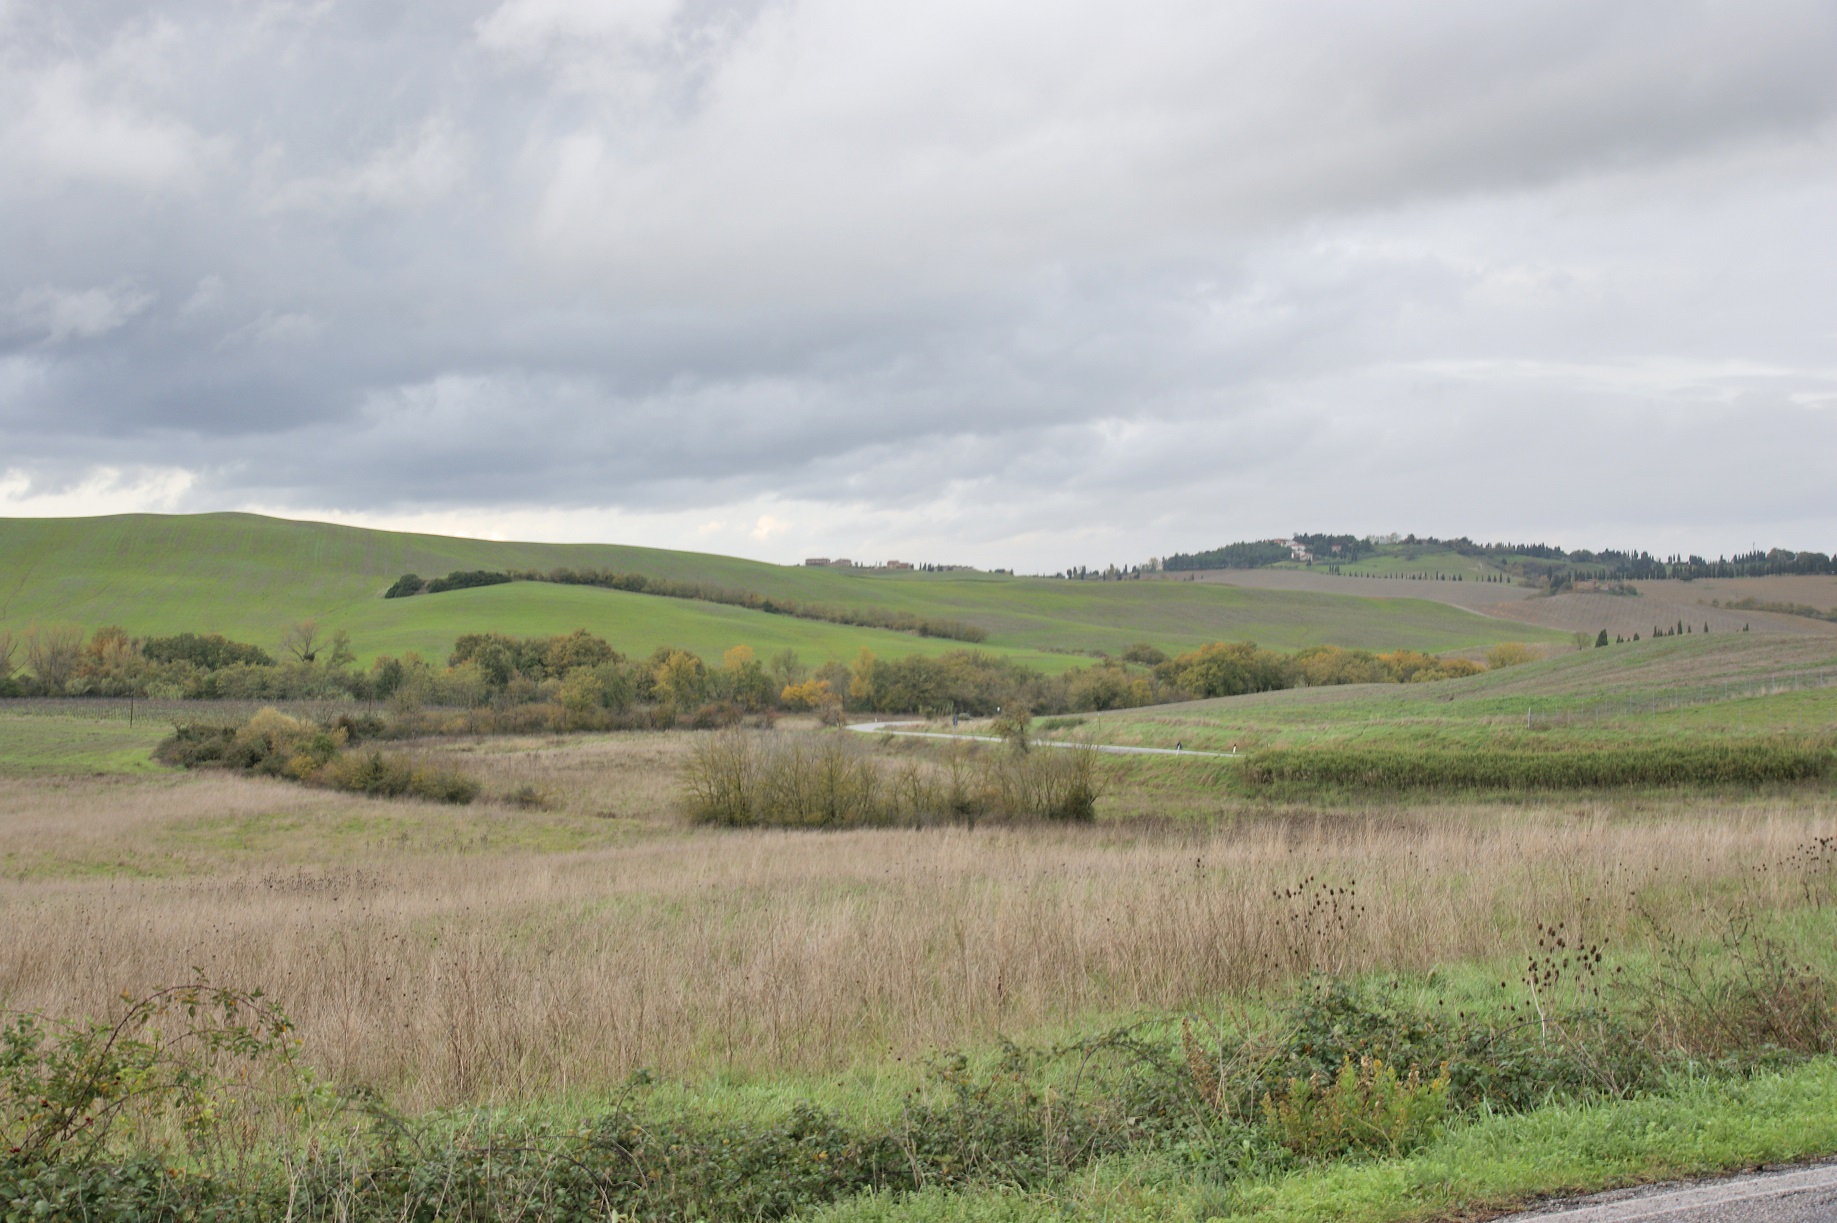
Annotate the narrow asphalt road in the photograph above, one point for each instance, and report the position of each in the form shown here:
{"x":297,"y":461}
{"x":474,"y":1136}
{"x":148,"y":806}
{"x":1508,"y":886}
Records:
{"x":1794,"y":1195}
{"x":889,"y":728}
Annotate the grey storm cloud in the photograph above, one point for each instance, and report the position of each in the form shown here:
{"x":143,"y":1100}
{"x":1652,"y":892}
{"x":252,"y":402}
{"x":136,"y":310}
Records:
{"x":1024,"y":279}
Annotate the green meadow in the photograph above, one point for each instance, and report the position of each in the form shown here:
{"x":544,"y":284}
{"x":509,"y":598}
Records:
{"x":1688,"y":689}
{"x":247,"y":577}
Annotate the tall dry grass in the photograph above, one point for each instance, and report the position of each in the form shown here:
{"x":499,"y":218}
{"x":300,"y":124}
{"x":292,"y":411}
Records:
{"x":488,"y":967}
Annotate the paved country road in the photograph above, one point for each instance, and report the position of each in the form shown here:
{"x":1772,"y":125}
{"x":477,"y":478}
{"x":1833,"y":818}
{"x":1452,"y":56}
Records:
{"x":1794,"y":1195}
{"x":891,"y":728}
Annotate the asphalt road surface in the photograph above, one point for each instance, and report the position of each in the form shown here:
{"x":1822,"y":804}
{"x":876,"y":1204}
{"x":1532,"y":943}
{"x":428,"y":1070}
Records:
{"x":1796,"y":1195}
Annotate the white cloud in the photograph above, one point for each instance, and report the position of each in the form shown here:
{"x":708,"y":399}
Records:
{"x":1021,"y":284}
{"x":65,"y":133}
{"x":421,"y":168}
{"x":101,"y":490}
{"x":530,"y":27}
{"x":63,"y":314}
{"x":278,"y":327}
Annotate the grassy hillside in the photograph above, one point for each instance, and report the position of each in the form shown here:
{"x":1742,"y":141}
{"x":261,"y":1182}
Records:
{"x":1402,"y":562}
{"x":1675,"y":689}
{"x":247,"y":576}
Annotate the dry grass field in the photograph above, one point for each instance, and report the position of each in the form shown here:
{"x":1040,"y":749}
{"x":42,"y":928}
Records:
{"x":1814,"y":590}
{"x":491,"y":953}
{"x":1665,"y":605}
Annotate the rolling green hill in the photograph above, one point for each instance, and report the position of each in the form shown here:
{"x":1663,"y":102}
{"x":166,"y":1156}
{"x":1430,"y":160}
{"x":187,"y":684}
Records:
{"x":247,"y":576}
{"x":1712,"y":687}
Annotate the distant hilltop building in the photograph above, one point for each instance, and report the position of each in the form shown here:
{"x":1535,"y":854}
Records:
{"x":842,"y":562}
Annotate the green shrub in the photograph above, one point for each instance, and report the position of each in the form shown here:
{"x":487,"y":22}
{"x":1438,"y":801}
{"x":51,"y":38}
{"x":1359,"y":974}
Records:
{"x":210,"y":651}
{"x":464,"y":579}
{"x":193,"y":744}
{"x":1367,"y":1105}
{"x":392,"y":777}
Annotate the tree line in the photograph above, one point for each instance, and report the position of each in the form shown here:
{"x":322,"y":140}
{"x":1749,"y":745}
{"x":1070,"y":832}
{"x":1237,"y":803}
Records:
{"x":578,"y":680}
{"x":1536,"y":561}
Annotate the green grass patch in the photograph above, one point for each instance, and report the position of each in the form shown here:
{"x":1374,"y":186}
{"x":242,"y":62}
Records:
{"x":1697,"y":1127}
{"x":1687,"y":690}
{"x":37,"y":745}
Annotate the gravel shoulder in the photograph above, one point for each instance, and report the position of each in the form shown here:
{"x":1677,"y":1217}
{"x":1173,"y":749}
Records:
{"x":1805,"y":1194}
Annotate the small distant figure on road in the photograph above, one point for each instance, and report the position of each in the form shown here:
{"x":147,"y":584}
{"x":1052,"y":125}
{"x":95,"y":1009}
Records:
{"x":1179,"y":745}
{"x":953,"y":717}
{"x":1234,"y":749}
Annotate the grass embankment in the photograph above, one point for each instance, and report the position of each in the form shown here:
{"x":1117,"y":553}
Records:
{"x":247,"y":577}
{"x":1697,"y":1127}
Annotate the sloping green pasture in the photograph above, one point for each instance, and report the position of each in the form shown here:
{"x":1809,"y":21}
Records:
{"x":1673,"y":690}
{"x":247,"y":576}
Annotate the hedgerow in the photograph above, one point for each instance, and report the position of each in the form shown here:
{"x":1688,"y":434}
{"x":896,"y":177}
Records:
{"x":1740,"y":763}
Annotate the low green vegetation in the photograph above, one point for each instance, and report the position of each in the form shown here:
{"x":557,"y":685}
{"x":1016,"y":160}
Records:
{"x":39,"y":742}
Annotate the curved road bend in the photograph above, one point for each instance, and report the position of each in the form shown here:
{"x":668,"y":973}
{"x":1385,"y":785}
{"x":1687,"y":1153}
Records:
{"x":1792,"y":1195}
{"x":886,"y":728}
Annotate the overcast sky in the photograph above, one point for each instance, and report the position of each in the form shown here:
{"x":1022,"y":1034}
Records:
{"x":1028,"y":283}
